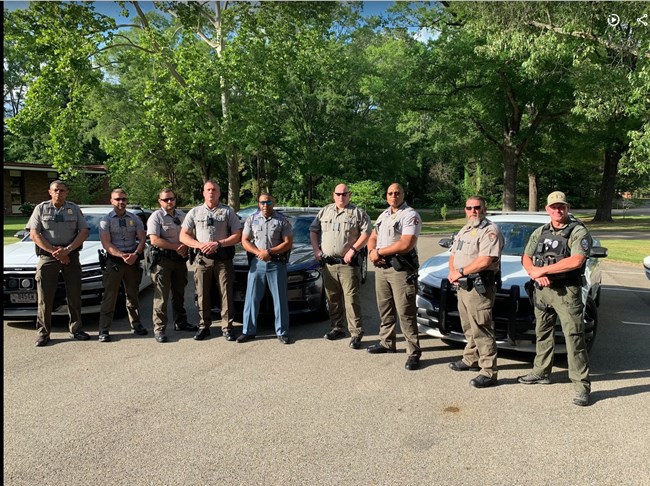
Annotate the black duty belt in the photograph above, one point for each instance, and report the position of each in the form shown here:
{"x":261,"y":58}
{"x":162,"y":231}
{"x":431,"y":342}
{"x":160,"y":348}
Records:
{"x":171,"y":254}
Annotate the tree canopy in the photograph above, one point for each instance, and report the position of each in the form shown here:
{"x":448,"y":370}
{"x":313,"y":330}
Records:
{"x":510,"y":100}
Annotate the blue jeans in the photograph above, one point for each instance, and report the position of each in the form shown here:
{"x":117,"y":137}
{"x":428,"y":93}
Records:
{"x":275,"y":274}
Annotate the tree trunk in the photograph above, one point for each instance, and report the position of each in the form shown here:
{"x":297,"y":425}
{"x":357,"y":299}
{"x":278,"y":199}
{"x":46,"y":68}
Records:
{"x":532,"y":192}
{"x":608,"y":184}
{"x":510,"y":165}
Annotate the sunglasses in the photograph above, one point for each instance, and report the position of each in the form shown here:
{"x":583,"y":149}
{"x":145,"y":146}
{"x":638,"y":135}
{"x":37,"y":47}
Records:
{"x":168,"y":199}
{"x":177,"y":221}
{"x":209,"y":221}
{"x":340,"y":194}
{"x":266,"y":203}
{"x":469,"y":208}
{"x":119,"y":199}
{"x":394,"y":193}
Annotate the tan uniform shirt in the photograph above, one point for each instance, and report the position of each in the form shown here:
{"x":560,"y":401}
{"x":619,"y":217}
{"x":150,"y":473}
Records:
{"x":391,"y":226}
{"x":163,"y":225}
{"x":472,"y":242}
{"x":340,"y":229}
{"x":59,"y":226}
{"x":212,"y":224}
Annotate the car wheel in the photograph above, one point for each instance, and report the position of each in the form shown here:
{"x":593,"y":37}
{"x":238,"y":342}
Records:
{"x":364,"y":269}
{"x":590,"y":319}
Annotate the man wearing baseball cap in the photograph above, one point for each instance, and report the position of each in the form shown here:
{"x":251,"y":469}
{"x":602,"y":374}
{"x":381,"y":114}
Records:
{"x":555,"y":259}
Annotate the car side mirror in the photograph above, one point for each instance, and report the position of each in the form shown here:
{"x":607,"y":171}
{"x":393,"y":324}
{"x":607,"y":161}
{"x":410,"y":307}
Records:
{"x":446,"y":242}
{"x":598,"y":252}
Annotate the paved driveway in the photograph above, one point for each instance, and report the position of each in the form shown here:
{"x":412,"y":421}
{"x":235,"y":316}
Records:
{"x":135,"y":412}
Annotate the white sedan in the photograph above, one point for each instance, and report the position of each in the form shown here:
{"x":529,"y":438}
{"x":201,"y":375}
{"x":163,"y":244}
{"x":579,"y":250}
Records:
{"x":19,"y":280}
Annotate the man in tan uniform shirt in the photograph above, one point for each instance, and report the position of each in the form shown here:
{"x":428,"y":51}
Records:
{"x":473,"y":265}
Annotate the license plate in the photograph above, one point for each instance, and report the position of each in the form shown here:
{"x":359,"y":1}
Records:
{"x":23,"y":298}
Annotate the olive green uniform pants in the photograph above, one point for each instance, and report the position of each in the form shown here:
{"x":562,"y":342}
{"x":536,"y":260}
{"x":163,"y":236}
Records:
{"x":566,"y":304}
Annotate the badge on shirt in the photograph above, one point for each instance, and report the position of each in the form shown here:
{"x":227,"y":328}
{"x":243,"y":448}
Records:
{"x":131,"y":222}
{"x":492,"y":236}
{"x":69,"y":211}
{"x":584,"y":244}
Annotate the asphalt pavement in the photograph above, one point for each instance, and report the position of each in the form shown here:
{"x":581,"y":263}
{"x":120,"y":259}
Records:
{"x":137,"y":412}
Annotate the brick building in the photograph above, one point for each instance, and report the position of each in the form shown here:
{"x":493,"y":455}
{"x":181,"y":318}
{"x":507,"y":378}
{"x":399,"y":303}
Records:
{"x":29,"y":183}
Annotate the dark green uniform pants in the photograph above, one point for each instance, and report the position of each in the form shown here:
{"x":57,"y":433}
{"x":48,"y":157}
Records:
{"x":116,"y":272}
{"x":169,"y":274}
{"x":47,"y":278}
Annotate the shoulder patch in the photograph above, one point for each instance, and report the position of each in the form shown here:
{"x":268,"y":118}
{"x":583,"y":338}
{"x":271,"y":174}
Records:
{"x":492,"y":236}
{"x":584,"y":243}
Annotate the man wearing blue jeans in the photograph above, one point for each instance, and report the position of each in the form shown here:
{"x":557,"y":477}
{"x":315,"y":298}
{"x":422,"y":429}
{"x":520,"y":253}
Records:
{"x":268,"y":239}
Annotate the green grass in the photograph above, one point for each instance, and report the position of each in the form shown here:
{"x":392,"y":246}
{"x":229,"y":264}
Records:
{"x":623,"y":250}
{"x":11,"y":225}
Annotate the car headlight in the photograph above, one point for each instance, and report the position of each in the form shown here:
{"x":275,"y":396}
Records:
{"x":303,"y":276}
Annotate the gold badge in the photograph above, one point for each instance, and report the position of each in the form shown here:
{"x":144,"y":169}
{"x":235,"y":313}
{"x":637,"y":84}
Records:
{"x":69,"y":211}
{"x":131,"y":222}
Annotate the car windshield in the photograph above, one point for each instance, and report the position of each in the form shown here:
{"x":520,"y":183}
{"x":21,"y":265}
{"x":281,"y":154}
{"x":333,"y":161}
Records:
{"x":300,"y":227}
{"x":93,"y":225}
{"x":516,"y":236}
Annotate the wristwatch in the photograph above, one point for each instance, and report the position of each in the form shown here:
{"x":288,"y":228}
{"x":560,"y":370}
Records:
{"x":460,"y":270}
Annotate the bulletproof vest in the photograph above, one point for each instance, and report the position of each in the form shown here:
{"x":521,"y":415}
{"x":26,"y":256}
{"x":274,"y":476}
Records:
{"x":552,"y":248}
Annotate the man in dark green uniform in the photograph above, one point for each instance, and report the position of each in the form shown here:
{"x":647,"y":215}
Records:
{"x":58,"y":228}
{"x":555,"y":259}
{"x":338,"y":233}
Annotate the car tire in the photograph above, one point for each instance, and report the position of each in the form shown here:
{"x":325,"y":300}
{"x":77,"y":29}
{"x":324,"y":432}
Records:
{"x":590,"y":318}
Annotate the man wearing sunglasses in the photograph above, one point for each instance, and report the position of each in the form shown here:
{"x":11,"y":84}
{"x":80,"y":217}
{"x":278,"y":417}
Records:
{"x":267,"y":238}
{"x":338,"y":234}
{"x":392,"y":249}
{"x":213,"y":229}
{"x":169,"y":265}
{"x":58,"y":229}
{"x":473,"y":267}
{"x":123,"y":237}
{"x":555,"y":258}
